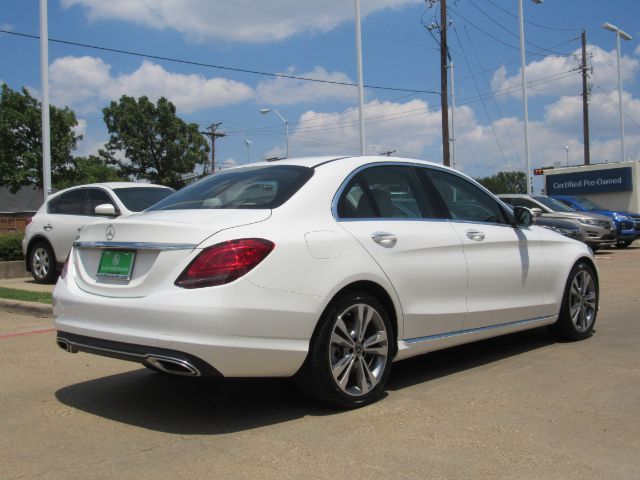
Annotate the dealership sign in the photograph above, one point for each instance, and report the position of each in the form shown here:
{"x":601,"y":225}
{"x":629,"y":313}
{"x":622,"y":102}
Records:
{"x":600,"y":181}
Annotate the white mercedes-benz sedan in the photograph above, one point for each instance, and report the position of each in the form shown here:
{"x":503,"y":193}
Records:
{"x":325,"y":269}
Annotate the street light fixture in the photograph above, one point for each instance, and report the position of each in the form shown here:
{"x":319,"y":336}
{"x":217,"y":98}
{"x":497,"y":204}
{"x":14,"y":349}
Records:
{"x":264,"y":111}
{"x":524,"y":94}
{"x":619,"y":33}
{"x":567,"y":150}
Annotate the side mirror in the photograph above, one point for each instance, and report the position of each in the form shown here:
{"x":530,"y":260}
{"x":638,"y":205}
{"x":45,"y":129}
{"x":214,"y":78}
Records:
{"x":106,"y":210}
{"x":536,"y":211}
{"x":523,"y":217}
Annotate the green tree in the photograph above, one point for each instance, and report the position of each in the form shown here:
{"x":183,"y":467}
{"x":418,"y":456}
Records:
{"x":157,"y":145}
{"x":505,"y":182}
{"x":21,"y":140}
{"x":92,"y":169}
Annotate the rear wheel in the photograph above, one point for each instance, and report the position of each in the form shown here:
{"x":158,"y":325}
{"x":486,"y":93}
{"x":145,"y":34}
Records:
{"x":579,"y":304}
{"x":624,"y":243}
{"x":43,"y":263}
{"x":350,"y":355}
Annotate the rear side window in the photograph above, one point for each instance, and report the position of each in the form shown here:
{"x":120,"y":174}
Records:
{"x":246,"y":188}
{"x":69,"y":203}
{"x":464,"y":200}
{"x":383,"y":192}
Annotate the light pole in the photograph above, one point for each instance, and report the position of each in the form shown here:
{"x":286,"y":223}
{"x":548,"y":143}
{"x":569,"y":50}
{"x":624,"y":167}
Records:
{"x":619,"y":33}
{"x":44,"y":85}
{"x":360,"y":81}
{"x":567,"y":150}
{"x":524,"y":94}
{"x":264,"y":111}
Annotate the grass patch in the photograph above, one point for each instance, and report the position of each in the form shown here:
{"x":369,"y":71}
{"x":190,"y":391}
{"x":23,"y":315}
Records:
{"x":25,"y":296}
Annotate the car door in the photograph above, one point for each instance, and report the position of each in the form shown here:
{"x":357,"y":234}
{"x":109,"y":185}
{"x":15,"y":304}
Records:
{"x":386,"y":209}
{"x":506,"y":279}
{"x":66,"y":217}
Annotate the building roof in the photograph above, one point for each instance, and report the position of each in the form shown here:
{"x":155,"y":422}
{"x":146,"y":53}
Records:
{"x":25,"y":200}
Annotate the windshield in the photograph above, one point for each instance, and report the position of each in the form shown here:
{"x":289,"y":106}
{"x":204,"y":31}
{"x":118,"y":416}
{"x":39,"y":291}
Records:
{"x":248,"y":188}
{"x":138,"y":199}
{"x":586,"y":204}
{"x":553,"y":204}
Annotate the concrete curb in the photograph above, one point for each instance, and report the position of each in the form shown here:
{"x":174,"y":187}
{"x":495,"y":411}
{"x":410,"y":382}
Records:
{"x":13,"y":269}
{"x":28,"y":308}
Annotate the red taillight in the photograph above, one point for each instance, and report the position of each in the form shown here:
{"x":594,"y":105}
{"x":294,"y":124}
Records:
{"x":224,"y":262}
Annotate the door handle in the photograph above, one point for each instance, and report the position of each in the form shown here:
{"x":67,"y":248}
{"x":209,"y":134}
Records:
{"x":47,"y":227}
{"x":475,"y":235}
{"x":384,"y":239}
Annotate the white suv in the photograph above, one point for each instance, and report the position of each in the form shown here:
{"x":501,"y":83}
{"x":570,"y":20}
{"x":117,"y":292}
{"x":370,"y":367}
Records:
{"x":52,"y":230}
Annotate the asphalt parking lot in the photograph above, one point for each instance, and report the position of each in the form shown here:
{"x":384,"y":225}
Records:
{"x":521,"y":407}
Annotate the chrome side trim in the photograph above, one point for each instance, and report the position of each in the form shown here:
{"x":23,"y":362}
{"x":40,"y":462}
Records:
{"x":137,"y":245}
{"x":472,"y":331}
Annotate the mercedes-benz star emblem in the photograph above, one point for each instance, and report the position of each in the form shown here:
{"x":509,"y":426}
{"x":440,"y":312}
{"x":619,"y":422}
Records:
{"x":111,"y":232}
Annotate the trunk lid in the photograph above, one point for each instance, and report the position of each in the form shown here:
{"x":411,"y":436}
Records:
{"x":161,"y":241}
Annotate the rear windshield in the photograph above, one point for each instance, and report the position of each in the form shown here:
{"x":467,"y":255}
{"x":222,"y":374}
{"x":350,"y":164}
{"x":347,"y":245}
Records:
{"x":553,"y":204}
{"x":138,"y":199}
{"x":247,"y":188}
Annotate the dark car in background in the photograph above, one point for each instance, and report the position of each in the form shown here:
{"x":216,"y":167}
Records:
{"x":562,"y":227}
{"x":627,"y":223}
{"x":596,"y":230}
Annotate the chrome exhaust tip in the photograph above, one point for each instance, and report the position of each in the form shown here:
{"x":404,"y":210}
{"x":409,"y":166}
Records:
{"x":173,"y":366}
{"x":65,"y":345}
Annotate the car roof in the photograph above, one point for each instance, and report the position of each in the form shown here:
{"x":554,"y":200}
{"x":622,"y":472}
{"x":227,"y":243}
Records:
{"x":313,"y":162}
{"x":111,"y":185}
{"x":515,"y":195}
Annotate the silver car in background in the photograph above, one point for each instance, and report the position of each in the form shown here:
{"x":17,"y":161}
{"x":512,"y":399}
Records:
{"x":596,"y":230}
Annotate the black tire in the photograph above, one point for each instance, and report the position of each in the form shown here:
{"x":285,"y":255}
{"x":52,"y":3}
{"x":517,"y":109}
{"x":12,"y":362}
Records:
{"x":579,"y":307}
{"x":42,"y":262}
{"x":362,"y":366}
{"x":624,"y":243}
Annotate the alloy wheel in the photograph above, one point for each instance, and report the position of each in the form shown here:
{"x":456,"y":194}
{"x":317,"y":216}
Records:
{"x":582,"y":301}
{"x":359,"y":349}
{"x":40,"y":262}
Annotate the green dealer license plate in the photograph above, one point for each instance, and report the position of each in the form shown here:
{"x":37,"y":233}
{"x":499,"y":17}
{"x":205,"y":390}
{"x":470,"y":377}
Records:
{"x":116,"y":264}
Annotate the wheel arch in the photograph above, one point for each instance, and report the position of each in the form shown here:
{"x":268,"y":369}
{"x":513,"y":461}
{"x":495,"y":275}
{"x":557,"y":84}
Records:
{"x":592,"y":264}
{"x":35,"y":239}
{"x":379,"y":293}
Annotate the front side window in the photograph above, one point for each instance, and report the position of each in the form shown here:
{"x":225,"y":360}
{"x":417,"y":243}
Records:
{"x":464,"y":200}
{"x":383,"y":192}
{"x":96,"y":197}
{"x":245,"y":188}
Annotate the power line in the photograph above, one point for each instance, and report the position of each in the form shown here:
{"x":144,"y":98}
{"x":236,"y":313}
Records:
{"x":209,"y":65}
{"x":548,"y":27}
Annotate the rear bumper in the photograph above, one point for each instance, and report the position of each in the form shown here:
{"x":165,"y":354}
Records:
{"x":240,"y":330}
{"x":169,"y":361}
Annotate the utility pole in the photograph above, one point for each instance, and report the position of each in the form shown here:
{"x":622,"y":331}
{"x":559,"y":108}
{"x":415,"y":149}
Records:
{"x":453,"y":126}
{"x":213,"y":133}
{"x":585,"y":100}
{"x":444,"y":101}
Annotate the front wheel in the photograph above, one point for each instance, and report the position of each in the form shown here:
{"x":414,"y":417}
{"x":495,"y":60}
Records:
{"x":624,"y":243}
{"x":350,"y":354}
{"x":579,"y":304}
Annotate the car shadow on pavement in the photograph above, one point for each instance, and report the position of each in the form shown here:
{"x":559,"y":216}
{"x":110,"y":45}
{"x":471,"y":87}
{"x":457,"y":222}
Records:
{"x":465,"y":357}
{"x":216,"y":406}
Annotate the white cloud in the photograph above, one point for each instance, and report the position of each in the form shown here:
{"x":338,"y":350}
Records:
{"x":285,"y":91}
{"x":554,"y":75}
{"x":86,"y":84}
{"x":232,"y":20}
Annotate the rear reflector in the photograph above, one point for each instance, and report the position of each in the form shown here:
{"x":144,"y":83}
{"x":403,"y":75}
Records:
{"x":224,"y":262}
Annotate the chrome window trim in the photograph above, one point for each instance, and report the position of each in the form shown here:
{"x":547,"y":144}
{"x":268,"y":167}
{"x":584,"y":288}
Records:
{"x":343,"y":186}
{"x":472,"y":331}
{"x":136,"y":245}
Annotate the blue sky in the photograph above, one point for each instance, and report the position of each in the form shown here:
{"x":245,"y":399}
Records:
{"x":316,"y":39}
